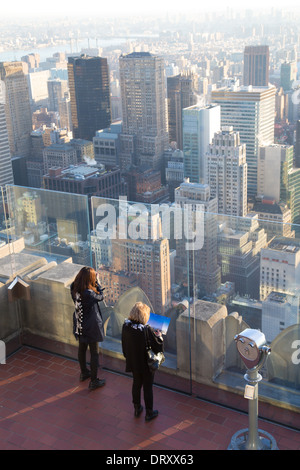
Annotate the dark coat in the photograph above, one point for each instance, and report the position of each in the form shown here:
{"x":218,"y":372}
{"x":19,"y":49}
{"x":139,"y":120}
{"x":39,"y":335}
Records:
{"x":92,"y":324}
{"x":134,"y":347}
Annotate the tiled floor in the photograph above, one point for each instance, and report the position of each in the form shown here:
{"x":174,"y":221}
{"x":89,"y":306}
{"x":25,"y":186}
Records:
{"x":43,"y":406}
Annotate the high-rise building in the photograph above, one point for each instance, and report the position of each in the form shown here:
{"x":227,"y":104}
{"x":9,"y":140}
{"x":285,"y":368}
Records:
{"x":17,"y":108}
{"x":6,"y":172}
{"x":147,"y":257}
{"x":239,"y":243}
{"x":90,"y":95}
{"x":144,"y":110}
{"x":274,"y":165}
{"x":250,"y":111}
{"x":279,"y":311}
{"x":181,"y":91}
{"x":288,"y":73}
{"x":256,"y":65}
{"x":56,"y":91}
{"x":297,"y":145}
{"x":199,"y":126}
{"x":280,"y":267}
{"x":199,"y":265}
{"x":226,"y":172}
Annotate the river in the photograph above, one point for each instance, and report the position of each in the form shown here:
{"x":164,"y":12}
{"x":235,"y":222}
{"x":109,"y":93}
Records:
{"x":48,"y":51}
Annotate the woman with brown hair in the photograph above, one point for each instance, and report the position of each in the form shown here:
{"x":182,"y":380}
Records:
{"x":134,"y":350}
{"x":87,"y":322}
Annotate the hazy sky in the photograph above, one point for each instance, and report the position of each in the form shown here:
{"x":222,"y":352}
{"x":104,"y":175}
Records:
{"x":96,"y":7}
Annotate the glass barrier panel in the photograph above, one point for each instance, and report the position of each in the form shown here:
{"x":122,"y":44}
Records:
{"x":51,"y":223}
{"x":134,"y":247}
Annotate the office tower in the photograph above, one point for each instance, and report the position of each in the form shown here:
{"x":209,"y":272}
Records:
{"x":239,"y":243}
{"x":56,"y":91}
{"x":107,"y":144}
{"x":280,"y":267}
{"x":38,"y":91}
{"x":90,"y":95}
{"x":278,"y":178}
{"x":64,"y":109}
{"x":181,"y":90}
{"x":6,"y":172}
{"x":226,"y":172}
{"x":17,"y":108}
{"x":297,"y":145}
{"x":288,"y":73}
{"x":91,"y":180}
{"x":143,"y":94}
{"x":199,"y":126}
{"x":279,"y":311}
{"x":274,"y":165}
{"x":275,"y":218}
{"x":59,"y":155}
{"x":144,"y":185}
{"x":256,"y":65}
{"x":148,"y":258}
{"x":199,"y":265}
{"x":174,"y":170}
{"x":251,"y":113}
{"x":33,"y":61}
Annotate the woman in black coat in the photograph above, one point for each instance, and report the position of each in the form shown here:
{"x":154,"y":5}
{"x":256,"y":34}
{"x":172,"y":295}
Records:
{"x":134,"y":350}
{"x":87,"y":322}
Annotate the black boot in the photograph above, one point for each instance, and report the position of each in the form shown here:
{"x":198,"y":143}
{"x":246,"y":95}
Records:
{"x":97,"y":383}
{"x":137,"y":410}
{"x":150,"y":414}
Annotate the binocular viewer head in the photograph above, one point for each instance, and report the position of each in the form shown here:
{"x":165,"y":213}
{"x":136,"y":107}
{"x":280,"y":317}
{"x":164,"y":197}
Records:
{"x":251,"y":346}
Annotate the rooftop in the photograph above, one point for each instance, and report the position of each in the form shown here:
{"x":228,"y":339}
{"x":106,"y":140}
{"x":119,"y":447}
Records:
{"x":43,"y":406}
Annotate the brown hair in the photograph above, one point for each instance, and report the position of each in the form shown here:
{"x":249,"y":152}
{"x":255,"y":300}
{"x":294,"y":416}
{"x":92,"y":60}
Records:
{"x":140,"y":313}
{"x":85,"y":279}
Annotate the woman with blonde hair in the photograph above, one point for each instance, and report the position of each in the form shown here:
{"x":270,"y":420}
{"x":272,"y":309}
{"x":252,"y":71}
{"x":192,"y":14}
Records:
{"x":87,"y":322}
{"x":134,"y":350}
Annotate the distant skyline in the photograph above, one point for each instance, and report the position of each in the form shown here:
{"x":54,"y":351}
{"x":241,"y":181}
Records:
{"x":133,"y":7}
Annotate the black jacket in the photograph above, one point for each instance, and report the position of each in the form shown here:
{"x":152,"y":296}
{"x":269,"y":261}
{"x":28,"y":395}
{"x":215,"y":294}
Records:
{"x":134,"y":346}
{"x":92,"y":322}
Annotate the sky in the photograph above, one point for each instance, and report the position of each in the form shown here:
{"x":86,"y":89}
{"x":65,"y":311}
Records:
{"x":130,"y":7}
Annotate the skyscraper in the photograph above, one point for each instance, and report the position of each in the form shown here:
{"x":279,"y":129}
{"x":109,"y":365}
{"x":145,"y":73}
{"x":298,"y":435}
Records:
{"x":89,"y":94}
{"x":143,"y":94}
{"x":6,"y":173}
{"x":181,"y":94}
{"x":199,"y":125}
{"x":288,"y":73}
{"x":226,"y":172}
{"x":199,"y":265}
{"x":251,"y":113}
{"x":256,"y":65}
{"x":17,"y":108}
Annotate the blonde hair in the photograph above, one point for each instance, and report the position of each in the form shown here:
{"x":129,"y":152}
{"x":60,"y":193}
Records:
{"x":140,"y":313}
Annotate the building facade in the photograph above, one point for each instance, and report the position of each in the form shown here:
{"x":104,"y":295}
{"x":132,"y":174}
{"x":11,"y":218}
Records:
{"x":202,"y":267}
{"x":199,"y":126}
{"x":17,"y":108}
{"x":226,"y":172}
{"x":144,"y":111}
{"x":256,"y":65}
{"x":89,"y":94}
{"x":250,"y":111}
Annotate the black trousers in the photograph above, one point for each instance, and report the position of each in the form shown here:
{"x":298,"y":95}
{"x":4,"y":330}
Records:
{"x":94,"y":351}
{"x":144,"y":380}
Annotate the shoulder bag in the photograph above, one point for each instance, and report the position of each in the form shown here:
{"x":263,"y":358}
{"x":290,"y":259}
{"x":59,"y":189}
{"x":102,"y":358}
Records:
{"x":154,"y":360}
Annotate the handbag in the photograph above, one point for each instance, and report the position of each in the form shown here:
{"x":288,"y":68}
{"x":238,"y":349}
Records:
{"x":154,"y":360}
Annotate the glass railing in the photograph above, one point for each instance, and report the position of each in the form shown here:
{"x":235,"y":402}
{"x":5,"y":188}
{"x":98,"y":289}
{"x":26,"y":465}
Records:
{"x":212,"y":275}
